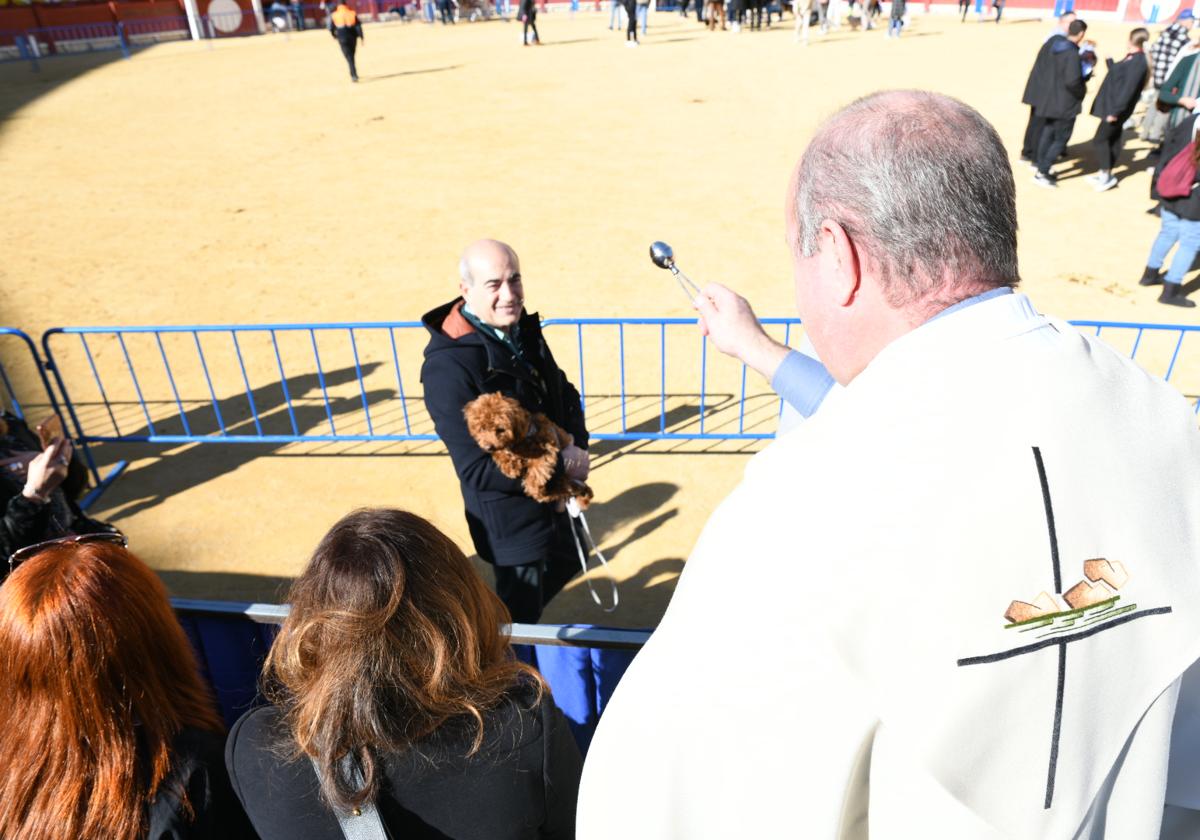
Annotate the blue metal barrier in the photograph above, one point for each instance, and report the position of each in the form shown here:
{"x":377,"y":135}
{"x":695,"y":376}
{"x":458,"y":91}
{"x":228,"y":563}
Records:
{"x":354,"y":382}
{"x":154,"y":29}
{"x":581,"y":664}
{"x":9,"y":375}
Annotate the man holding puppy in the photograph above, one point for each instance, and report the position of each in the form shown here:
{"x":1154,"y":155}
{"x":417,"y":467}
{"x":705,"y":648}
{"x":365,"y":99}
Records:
{"x":485,"y":342}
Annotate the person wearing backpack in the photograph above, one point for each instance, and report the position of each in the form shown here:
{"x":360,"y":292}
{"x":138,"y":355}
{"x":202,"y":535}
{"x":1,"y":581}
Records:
{"x":1174,"y":185}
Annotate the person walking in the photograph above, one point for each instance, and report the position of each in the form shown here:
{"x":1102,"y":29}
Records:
{"x":1033,"y":128}
{"x":529,"y":21}
{"x":631,"y":38}
{"x":1059,"y":99}
{"x":643,"y":14}
{"x":346,"y":29}
{"x":1180,"y":219}
{"x":716,"y":9}
{"x":897,"y":18}
{"x":1114,"y":104}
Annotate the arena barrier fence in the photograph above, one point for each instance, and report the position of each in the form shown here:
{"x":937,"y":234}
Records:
{"x":280,"y":384}
{"x":582,"y":664}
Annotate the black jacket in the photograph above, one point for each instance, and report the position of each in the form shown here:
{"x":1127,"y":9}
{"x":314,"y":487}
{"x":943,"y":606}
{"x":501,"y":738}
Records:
{"x":521,"y":785}
{"x":507,"y":527}
{"x":1176,"y":141}
{"x":212,"y":811}
{"x":1056,"y":85}
{"x":1118,"y":94}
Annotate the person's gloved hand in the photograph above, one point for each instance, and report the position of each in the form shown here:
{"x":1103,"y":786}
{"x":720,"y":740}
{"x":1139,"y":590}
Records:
{"x":576,"y":461}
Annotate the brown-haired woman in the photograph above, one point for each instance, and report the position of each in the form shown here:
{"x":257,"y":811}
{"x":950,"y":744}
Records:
{"x":108,"y":731}
{"x":393,"y":686}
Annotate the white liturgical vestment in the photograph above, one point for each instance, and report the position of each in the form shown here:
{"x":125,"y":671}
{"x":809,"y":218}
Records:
{"x":958,"y":601}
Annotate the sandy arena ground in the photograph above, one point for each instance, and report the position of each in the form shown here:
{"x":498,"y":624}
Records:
{"x":249,"y":181}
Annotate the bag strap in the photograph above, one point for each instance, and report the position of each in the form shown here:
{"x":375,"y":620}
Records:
{"x":576,"y":513}
{"x":363,"y":823}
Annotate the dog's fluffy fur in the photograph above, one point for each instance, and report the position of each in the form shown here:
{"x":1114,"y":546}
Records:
{"x":524,"y":446}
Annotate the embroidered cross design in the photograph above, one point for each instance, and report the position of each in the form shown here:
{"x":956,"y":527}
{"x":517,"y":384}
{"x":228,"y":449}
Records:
{"x":1059,"y":641}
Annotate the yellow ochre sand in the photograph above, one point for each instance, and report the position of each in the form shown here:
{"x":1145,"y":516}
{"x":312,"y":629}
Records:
{"x":249,"y":181}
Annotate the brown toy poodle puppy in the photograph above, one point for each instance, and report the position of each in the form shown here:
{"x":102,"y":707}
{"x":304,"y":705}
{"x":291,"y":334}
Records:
{"x":524,"y":446}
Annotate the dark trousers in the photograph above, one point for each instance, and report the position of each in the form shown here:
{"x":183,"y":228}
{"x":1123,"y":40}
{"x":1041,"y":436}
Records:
{"x":1055,"y":135}
{"x":530,"y":23}
{"x":526,"y":589}
{"x":1108,"y":141}
{"x":965,"y":5}
{"x":349,"y":45}
{"x":1033,"y":133}
{"x":631,"y":13}
{"x":446,"y":12}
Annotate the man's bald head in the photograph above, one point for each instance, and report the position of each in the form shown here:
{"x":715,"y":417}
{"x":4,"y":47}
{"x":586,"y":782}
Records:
{"x":922,"y":186}
{"x":490,"y":282}
{"x":482,"y":255}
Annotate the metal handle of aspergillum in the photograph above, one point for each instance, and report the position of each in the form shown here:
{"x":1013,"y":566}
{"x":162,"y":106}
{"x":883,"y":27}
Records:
{"x":664,"y":257}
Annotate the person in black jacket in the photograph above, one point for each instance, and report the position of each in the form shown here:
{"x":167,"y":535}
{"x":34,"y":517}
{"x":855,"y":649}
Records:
{"x":38,"y":486}
{"x":485,"y":342}
{"x":346,"y":29}
{"x":1058,"y":99}
{"x":1114,"y":104}
{"x":1033,"y":128}
{"x":392,"y":660}
{"x":1180,"y":224}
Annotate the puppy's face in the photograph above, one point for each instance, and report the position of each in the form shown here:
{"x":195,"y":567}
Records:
{"x":496,"y":421}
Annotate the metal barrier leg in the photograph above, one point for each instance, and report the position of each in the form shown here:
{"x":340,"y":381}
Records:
{"x":97,"y":491}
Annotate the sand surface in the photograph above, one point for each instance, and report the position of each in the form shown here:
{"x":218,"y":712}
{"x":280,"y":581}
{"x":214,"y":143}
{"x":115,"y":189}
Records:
{"x":248,"y":181}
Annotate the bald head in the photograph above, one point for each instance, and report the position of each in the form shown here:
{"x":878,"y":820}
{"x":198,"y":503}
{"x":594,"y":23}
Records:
{"x":922,"y":187}
{"x":490,"y":282}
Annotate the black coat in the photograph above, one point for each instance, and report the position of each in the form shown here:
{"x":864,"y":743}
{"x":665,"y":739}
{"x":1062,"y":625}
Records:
{"x":507,"y":527}
{"x":1176,"y":141}
{"x":1056,"y":85}
{"x":1118,"y":94}
{"x":521,"y":785}
{"x":212,"y":811}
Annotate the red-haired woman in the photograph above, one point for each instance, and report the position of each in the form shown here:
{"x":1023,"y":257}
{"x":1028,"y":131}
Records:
{"x":397,"y":698}
{"x":107,"y":731}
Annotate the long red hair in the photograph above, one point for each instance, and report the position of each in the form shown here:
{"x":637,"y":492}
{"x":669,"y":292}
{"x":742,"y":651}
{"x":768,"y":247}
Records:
{"x":96,"y":679}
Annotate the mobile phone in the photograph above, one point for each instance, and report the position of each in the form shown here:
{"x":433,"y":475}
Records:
{"x":50,"y":430}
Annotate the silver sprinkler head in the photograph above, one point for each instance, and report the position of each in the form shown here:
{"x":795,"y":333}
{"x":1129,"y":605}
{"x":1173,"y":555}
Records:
{"x":662,"y":255}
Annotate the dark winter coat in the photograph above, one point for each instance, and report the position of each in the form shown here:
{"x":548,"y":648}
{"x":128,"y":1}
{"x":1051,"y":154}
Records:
{"x":507,"y":527}
{"x":1177,"y":140}
{"x":1056,"y":85}
{"x":1118,"y":94}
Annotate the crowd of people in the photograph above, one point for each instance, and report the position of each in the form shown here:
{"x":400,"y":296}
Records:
{"x":1165,"y":81}
{"x":946,"y":451}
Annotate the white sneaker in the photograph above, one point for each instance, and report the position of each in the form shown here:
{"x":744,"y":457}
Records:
{"x":1094,"y":178}
{"x":1103,"y":186}
{"x":631,"y":43}
{"x":1042,"y":181}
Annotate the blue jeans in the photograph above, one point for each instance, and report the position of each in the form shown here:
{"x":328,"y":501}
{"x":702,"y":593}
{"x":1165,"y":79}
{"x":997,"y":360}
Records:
{"x":643,"y":15}
{"x":894,"y":27}
{"x":614,"y":14}
{"x":1175,"y":229}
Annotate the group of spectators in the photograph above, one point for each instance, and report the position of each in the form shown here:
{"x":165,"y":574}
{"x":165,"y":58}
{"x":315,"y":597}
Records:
{"x":1166,"y":80}
{"x":390,"y":693}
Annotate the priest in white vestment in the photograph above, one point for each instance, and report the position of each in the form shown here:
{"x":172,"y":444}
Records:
{"x":961,"y":599}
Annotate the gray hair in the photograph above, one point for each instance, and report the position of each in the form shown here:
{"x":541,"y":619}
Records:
{"x":920,"y":182}
{"x":464,"y":271}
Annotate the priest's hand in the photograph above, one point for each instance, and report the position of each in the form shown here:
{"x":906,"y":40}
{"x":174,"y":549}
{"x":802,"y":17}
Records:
{"x":727,"y":319}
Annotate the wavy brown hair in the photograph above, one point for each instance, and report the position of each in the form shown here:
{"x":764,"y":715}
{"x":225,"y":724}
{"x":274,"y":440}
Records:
{"x":97,"y":678}
{"x":392,"y":634}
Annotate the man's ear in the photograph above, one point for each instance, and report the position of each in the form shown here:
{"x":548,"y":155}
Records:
{"x":842,"y":267}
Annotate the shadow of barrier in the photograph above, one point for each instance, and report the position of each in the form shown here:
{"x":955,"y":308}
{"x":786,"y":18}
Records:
{"x":640,"y":379}
{"x":581,"y":664}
